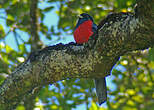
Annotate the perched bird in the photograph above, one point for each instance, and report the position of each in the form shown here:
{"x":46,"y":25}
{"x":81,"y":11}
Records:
{"x":84,"y":29}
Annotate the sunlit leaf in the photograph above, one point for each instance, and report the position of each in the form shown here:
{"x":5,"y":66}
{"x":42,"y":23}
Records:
{"x":21,"y":107}
{"x":2,"y":32}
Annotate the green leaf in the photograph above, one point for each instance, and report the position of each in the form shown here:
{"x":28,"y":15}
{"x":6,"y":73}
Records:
{"x":2,"y":32}
{"x":48,"y":9}
{"x":151,"y":54}
{"x":10,"y":17}
{"x":20,"y":107}
{"x":8,"y":49}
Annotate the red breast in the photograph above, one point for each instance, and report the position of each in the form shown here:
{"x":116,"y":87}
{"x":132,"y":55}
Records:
{"x":83,"y":32}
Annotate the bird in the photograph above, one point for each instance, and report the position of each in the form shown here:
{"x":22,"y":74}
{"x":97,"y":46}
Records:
{"x":84,"y":29}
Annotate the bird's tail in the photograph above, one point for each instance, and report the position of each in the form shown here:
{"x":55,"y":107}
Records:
{"x":101,"y":90}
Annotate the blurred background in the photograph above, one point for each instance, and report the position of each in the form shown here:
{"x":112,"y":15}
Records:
{"x":26,"y":27}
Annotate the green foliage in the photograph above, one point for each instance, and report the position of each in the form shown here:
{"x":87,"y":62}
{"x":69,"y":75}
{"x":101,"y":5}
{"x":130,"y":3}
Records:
{"x":151,"y":54}
{"x":135,"y":84}
{"x":2,"y":32}
{"x":64,"y":95}
{"x":133,"y":75}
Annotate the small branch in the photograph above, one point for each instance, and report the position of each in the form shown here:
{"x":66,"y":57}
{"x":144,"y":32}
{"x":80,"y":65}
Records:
{"x":19,"y":36}
{"x":16,"y":39}
{"x":34,"y":25}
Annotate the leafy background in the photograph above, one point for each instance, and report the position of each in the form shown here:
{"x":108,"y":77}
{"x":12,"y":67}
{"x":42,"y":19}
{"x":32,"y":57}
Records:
{"x":132,"y":78}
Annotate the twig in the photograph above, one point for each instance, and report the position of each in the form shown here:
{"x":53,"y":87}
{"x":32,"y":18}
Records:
{"x":16,"y":39}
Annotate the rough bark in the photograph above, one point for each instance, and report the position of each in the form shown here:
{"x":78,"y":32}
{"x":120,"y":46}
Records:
{"x":119,"y":33}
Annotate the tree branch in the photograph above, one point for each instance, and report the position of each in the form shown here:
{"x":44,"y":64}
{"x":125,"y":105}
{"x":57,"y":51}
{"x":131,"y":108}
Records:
{"x":35,"y":40}
{"x":119,"y":33}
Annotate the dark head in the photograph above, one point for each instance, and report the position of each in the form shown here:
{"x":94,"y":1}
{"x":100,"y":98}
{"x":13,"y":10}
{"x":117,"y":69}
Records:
{"x":85,"y":16}
{"x":82,"y":18}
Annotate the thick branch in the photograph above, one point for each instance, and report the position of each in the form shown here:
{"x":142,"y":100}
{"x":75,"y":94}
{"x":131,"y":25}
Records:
{"x":118,"y":34}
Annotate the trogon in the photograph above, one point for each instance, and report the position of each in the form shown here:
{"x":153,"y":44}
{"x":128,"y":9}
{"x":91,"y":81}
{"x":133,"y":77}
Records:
{"x":84,"y":29}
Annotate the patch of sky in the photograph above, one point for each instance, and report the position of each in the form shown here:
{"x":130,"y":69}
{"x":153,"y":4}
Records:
{"x":3,"y":16}
{"x":78,"y":94}
{"x":10,"y":40}
{"x":109,"y":83}
{"x":78,"y":87}
{"x":80,"y":107}
{"x":51,"y":19}
{"x":120,"y":68}
{"x":70,"y":101}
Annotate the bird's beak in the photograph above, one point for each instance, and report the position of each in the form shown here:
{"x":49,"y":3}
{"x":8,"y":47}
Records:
{"x":79,"y":16}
